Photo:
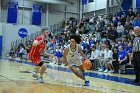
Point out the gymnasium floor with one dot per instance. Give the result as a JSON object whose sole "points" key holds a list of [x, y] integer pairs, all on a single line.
{"points": [[17, 78]]}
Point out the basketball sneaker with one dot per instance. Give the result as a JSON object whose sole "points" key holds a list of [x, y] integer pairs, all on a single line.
{"points": [[100, 70], [86, 83], [40, 80], [34, 75]]}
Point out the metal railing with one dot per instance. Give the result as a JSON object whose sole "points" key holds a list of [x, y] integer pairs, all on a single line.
{"points": [[56, 28]]}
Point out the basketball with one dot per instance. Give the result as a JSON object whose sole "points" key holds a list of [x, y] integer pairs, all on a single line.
{"points": [[87, 64]]}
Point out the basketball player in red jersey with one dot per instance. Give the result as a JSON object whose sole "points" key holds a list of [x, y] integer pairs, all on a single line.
{"points": [[38, 48]]}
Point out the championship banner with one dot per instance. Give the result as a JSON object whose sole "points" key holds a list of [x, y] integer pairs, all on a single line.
{"points": [[90, 1], [84, 2], [12, 11], [36, 14], [138, 5]]}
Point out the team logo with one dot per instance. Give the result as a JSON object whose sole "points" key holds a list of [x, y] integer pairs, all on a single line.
{"points": [[22, 32]]}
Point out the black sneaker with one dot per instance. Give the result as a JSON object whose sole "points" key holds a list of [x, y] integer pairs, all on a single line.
{"points": [[135, 81]]}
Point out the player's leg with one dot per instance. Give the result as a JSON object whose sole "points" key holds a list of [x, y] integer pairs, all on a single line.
{"points": [[42, 70], [35, 60], [82, 71], [80, 67], [37, 68], [79, 73], [76, 72]]}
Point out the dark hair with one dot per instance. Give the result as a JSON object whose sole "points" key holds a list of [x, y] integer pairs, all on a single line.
{"points": [[107, 46], [114, 41], [21, 45], [77, 38], [107, 42], [125, 40], [93, 46], [115, 48]]}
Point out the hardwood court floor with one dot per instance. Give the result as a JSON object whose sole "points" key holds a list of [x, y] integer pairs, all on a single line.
{"points": [[30, 87], [13, 81]]}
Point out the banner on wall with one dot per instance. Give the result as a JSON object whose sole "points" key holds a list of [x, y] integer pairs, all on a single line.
{"points": [[138, 5], [84, 2], [0, 46], [23, 32], [89, 1], [126, 4], [36, 14], [12, 11]]}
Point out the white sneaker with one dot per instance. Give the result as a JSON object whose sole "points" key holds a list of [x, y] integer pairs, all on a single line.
{"points": [[100, 70], [110, 71], [106, 71], [40, 80], [34, 75]]}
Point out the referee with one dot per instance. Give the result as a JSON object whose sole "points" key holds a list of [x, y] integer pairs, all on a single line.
{"points": [[136, 55]]}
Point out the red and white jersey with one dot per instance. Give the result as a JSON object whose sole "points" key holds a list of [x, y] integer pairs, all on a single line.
{"points": [[36, 50]]}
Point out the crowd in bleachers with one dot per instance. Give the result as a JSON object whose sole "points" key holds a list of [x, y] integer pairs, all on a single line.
{"points": [[107, 40], [21, 51]]}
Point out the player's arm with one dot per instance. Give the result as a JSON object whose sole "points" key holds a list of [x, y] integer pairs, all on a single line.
{"points": [[36, 42], [66, 50], [82, 54]]}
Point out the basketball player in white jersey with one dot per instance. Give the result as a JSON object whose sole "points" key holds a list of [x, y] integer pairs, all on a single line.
{"points": [[72, 58]]}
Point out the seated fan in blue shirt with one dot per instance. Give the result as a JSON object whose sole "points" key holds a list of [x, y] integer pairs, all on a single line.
{"points": [[59, 55], [122, 56], [129, 51]]}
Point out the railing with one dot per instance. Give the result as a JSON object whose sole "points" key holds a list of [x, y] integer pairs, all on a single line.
{"points": [[56, 28]]}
